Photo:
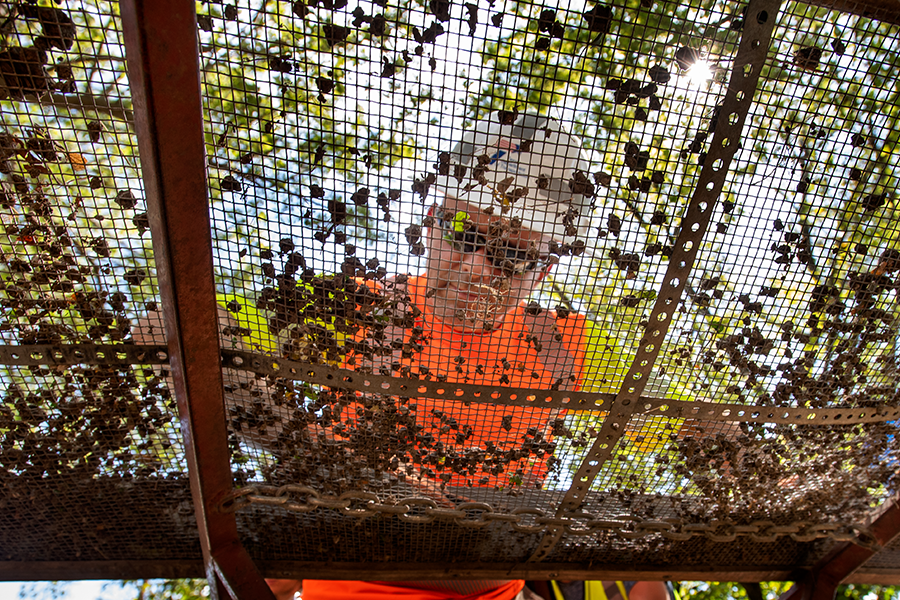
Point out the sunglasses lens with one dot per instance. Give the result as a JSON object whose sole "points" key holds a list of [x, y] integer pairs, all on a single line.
{"points": [[510, 259]]}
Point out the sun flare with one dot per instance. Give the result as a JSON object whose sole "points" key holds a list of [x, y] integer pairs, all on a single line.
{"points": [[699, 73]]}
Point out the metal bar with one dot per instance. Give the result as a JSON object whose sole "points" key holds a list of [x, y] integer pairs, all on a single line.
{"points": [[748, 63], [427, 571], [123, 354], [844, 560], [106, 569], [178, 569], [874, 576], [530, 397], [882, 10], [163, 68], [235, 570], [83, 354], [803, 590]]}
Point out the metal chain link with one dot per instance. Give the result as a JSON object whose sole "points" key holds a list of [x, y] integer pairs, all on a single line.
{"points": [[476, 515]]}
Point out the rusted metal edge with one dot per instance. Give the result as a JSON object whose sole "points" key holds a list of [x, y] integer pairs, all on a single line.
{"points": [[163, 68], [192, 569], [106, 569], [887, 11], [820, 582], [759, 23], [522, 570], [874, 576], [536, 398], [237, 572]]}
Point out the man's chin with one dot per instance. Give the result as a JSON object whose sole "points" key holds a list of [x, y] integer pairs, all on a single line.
{"points": [[470, 316], [475, 325]]}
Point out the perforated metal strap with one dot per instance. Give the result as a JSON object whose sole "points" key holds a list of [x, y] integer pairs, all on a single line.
{"points": [[401, 386], [758, 27], [83, 354], [556, 399], [125, 354]]}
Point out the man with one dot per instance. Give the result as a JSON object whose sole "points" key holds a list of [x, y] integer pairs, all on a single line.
{"points": [[513, 206], [514, 195]]}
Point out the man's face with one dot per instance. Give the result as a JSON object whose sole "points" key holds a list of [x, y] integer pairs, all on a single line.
{"points": [[479, 267]]}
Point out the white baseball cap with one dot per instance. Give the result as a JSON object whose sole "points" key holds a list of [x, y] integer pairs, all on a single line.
{"points": [[526, 165]]}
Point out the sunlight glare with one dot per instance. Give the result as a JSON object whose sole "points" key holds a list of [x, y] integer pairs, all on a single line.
{"points": [[699, 73]]}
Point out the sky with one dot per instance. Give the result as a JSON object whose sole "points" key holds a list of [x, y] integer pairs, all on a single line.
{"points": [[71, 590]]}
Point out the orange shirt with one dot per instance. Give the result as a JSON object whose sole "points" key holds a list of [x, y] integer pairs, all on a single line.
{"points": [[314, 589], [500, 358]]}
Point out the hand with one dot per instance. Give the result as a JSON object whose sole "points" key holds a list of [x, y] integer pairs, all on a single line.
{"points": [[284, 589], [649, 590]]}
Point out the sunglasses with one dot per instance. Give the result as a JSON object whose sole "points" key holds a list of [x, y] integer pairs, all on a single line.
{"points": [[509, 258]]}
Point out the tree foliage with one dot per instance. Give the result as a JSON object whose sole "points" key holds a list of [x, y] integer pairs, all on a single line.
{"points": [[167, 589], [710, 590]]}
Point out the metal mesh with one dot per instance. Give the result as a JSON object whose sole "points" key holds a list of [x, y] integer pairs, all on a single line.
{"points": [[318, 210], [92, 461], [885, 559], [441, 236]]}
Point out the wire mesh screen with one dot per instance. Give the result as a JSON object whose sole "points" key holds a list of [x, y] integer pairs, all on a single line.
{"points": [[580, 283], [93, 465], [449, 200]]}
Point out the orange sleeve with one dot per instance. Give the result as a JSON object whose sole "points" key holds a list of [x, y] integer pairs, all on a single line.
{"points": [[572, 330], [369, 283]]}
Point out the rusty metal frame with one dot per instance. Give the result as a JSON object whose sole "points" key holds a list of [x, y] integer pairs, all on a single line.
{"points": [[288, 569], [512, 570], [164, 69], [163, 66], [882, 10], [844, 560], [62, 570]]}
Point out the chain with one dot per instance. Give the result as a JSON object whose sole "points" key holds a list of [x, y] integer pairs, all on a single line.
{"points": [[477, 515]]}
